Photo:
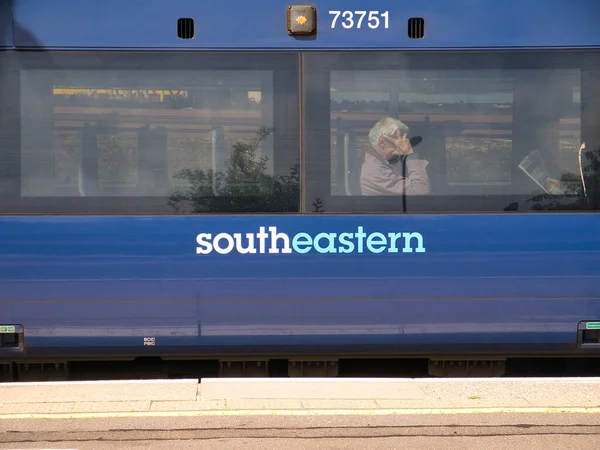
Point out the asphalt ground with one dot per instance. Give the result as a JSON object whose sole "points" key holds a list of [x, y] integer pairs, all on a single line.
{"points": [[497, 413], [431, 431]]}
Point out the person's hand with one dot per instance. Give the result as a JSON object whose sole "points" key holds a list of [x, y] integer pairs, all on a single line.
{"points": [[401, 145]]}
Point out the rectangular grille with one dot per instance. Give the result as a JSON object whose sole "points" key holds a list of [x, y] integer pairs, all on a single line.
{"points": [[185, 28], [416, 28]]}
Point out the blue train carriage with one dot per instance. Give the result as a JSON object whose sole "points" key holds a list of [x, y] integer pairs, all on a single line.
{"points": [[182, 180]]}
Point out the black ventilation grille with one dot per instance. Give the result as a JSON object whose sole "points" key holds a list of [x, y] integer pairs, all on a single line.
{"points": [[416, 28], [185, 28]]}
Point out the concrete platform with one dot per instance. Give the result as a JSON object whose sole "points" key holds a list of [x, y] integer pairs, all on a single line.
{"points": [[310, 388], [99, 391], [281, 396]]}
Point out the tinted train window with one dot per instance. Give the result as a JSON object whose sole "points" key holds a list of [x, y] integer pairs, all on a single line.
{"points": [[140, 133], [489, 132]]}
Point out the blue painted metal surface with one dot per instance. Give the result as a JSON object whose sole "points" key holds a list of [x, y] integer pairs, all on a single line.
{"points": [[107, 282], [6, 25], [483, 279], [261, 24]]}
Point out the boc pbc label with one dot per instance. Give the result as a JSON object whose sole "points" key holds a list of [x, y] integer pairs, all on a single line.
{"points": [[149, 341]]}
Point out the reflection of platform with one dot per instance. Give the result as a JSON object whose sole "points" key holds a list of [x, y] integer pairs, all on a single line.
{"points": [[309, 396]]}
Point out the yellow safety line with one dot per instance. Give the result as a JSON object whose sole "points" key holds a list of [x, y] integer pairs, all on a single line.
{"points": [[301, 412]]}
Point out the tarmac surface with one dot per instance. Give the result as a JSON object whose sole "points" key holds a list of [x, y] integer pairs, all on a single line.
{"points": [[489, 431], [333, 413]]}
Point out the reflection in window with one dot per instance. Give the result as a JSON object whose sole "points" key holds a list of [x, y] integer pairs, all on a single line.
{"points": [[122, 135], [476, 125], [482, 160], [147, 133]]}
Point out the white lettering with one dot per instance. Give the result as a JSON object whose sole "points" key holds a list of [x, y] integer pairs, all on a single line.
{"points": [[274, 237], [376, 242], [302, 239], [349, 22], [262, 236], [331, 240], [354, 19], [393, 238], [348, 245], [281, 242], [373, 20], [407, 237], [238, 243], [206, 246], [360, 235], [362, 15], [217, 246], [336, 14]]}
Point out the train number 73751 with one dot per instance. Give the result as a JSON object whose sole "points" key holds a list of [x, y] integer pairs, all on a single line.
{"points": [[355, 19]]}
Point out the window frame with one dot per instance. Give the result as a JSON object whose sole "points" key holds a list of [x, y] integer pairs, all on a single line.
{"points": [[285, 68], [317, 126]]}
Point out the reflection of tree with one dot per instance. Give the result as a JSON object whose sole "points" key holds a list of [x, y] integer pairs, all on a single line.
{"points": [[591, 173], [574, 198], [318, 205], [244, 187]]}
